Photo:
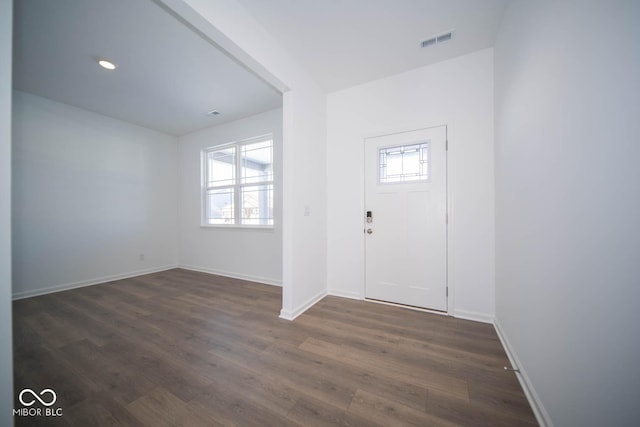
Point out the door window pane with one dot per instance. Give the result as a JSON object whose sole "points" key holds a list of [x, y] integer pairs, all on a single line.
{"points": [[404, 163]]}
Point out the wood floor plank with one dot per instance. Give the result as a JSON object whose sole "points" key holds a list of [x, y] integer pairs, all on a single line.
{"points": [[158, 407], [100, 410], [472, 413], [300, 378], [129, 307], [352, 377], [500, 399], [109, 374], [94, 330], [459, 357], [41, 421], [52, 332], [380, 411], [234, 408], [92, 414], [174, 376], [416, 375], [265, 389], [312, 412], [202, 415], [186, 348]]}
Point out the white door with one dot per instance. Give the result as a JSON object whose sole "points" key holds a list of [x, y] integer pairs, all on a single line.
{"points": [[406, 218]]}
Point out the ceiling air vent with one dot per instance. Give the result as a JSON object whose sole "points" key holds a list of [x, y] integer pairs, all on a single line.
{"points": [[429, 42], [437, 39]]}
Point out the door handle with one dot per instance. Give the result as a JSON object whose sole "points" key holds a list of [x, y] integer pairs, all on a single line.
{"points": [[369, 231]]}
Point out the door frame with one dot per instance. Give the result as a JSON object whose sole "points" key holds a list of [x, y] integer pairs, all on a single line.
{"points": [[449, 225]]}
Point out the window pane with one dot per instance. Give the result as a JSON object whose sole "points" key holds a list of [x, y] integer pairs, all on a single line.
{"points": [[257, 162], [256, 205], [220, 206], [405, 163], [221, 167]]}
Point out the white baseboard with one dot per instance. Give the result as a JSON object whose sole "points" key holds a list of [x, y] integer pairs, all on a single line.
{"points": [[534, 400], [258, 279], [90, 282], [406, 307], [292, 314], [473, 315], [345, 294]]}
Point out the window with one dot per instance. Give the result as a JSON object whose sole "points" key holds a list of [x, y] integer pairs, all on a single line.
{"points": [[404, 163], [238, 183]]}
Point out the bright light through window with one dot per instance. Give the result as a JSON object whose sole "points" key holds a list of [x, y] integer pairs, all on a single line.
{"points": [[238, 183], [405, 163]]}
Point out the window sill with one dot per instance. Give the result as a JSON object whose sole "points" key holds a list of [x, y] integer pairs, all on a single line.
{"points": [[267, 228]]}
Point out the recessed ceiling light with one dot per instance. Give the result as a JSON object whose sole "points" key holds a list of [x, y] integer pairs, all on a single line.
{"points": [[213, 113], [106, 64]]}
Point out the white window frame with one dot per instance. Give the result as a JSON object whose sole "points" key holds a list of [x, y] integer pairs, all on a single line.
{"points": [[237, 185]]}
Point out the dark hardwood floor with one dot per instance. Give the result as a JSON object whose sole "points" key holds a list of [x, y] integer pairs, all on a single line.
{"points": [[186, 348]]}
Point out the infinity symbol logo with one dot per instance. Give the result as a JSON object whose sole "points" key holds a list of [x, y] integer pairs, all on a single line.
{"points": [[37, 397]]}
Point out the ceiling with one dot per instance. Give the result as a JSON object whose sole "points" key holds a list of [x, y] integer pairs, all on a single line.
{"points": [[343, 43], [167, 79]]}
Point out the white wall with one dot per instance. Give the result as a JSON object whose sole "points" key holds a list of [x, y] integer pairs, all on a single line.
{"points": [[304, 138], [6, 344], [458, 93], [229, 25], [90, 194], [244, 253], [568, 204]]}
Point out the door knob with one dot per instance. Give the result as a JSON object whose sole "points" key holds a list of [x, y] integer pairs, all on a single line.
{"points": [[369, 231]]}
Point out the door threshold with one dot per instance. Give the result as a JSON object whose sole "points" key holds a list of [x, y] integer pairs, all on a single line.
{"points": [[410, 307]]}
